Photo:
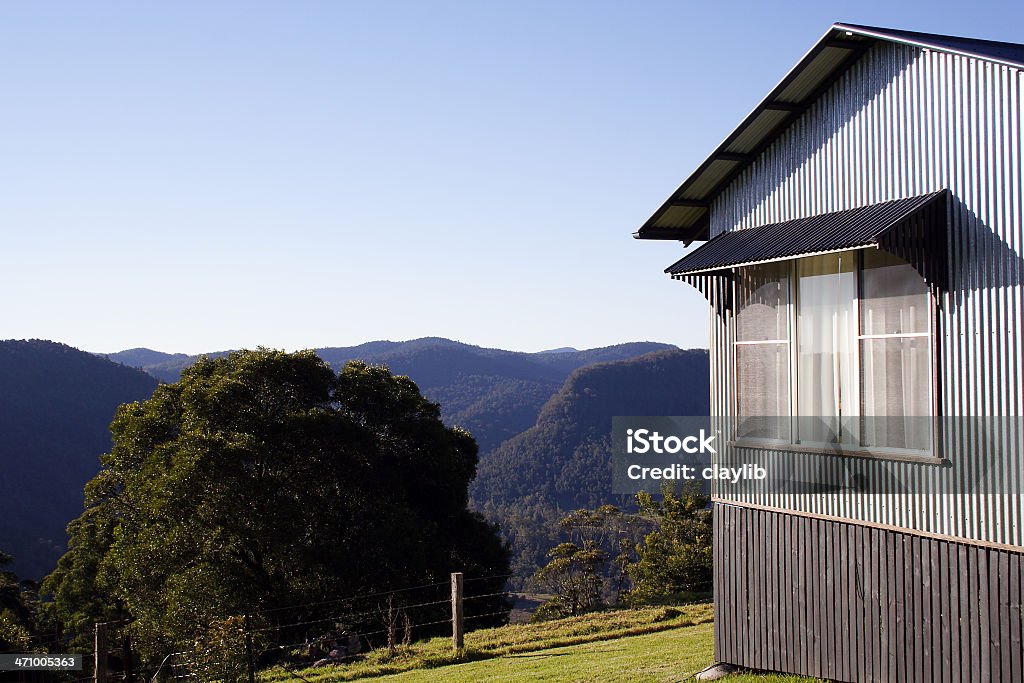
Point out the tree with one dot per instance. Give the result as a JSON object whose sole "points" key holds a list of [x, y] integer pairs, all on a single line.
{"points": [[574, 576], [675, 560], [587, 570], [15, 612], [262, 480]]}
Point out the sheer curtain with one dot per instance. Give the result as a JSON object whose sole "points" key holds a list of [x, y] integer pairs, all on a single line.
{"points": [[826, 347], [762, 351], [895, 354]]}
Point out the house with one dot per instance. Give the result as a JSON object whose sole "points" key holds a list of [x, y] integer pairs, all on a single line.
{"points": [[862, 258]]}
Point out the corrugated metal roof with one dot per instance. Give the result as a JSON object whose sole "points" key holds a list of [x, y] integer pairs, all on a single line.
{"points": [[841, 45], [828, 232]]}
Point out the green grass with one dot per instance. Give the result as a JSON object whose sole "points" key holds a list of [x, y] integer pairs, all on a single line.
{"points": [[671, 655], [648, 644]]}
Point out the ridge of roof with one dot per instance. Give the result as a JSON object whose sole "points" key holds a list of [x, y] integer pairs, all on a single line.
{"points": [[1011, 54], [684, 216]]}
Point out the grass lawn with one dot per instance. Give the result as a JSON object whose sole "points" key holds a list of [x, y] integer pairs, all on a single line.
{"points": [[666, 656], [650, 644], [674, 655]]}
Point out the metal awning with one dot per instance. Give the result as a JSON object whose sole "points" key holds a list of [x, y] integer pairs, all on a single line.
{"points": [[912, 228]]}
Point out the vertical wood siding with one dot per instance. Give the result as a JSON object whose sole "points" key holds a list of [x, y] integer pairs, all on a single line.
{"points": [[905, 121], [852, 603]]}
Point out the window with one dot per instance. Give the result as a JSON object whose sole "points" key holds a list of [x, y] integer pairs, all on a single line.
{"points": [[835, 350], [895, 354], [763, 350]]}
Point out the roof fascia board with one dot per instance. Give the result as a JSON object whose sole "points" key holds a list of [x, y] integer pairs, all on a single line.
{"points": [[774, 259]]}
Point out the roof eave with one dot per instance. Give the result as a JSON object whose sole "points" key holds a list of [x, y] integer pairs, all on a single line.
{"points": [[684, 235], [650, 231]]}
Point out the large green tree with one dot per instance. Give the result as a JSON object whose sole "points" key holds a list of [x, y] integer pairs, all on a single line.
{"points": [[263, 480]]}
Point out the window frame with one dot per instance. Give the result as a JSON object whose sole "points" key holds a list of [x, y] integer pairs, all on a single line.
{"points": [[933, 455]]}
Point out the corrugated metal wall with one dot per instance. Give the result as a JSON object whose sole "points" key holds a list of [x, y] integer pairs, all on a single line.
{"points": [[905, 121]]}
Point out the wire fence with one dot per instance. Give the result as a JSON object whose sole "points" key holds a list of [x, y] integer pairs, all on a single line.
{"points": [[330, 632]]}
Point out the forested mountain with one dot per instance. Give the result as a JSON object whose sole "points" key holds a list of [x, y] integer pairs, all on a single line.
{"points": [[56, 404], [565, 458], [493, 393], [563, 462]]}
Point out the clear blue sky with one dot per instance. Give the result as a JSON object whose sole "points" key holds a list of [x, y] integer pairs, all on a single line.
{"points": [[193, 176]]}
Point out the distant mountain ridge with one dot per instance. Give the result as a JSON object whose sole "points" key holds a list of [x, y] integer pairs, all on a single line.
{"points": [[168, 366], [493, 393], [142, 358]]}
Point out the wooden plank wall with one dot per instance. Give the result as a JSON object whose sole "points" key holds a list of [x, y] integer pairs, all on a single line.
{"points": [[849, 602]]}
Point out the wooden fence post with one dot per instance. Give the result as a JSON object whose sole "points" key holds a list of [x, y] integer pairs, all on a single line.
{"points": [[457, 640], [100, 653]]}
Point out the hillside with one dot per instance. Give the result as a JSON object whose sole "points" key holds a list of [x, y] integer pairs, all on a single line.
{"points": [[493, 393], [565, 458], [563, 462], [56, 403]]}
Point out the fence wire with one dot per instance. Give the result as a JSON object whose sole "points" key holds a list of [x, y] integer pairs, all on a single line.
{"points": [[389, 618]]}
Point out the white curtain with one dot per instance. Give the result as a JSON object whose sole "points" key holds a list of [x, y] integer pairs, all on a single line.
{"points": [[827, 333], [895, 354]]}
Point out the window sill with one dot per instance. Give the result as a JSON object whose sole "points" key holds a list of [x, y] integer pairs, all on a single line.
{"points": [[846, 451]]}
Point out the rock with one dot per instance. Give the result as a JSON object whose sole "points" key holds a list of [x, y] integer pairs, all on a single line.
{"points": [[716, 671]]}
